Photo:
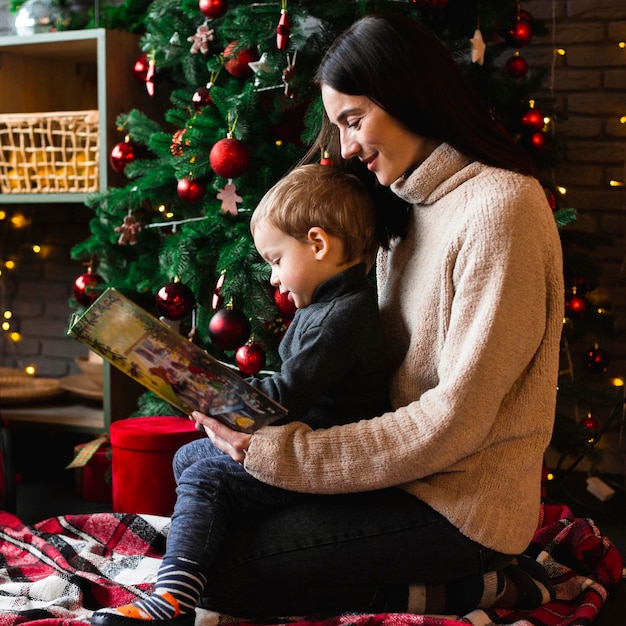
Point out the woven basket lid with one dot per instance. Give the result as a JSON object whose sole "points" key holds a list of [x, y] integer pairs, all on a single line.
{"points": [[22, 389]]}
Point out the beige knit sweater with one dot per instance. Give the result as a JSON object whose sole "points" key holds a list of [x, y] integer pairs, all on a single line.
{"points": [[472, 302]]}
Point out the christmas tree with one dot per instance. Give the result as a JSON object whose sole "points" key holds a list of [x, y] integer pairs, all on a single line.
{"points": [[241, 110]]}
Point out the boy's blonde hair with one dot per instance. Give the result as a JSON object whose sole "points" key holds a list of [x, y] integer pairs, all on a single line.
{"points": [[324, 196]]}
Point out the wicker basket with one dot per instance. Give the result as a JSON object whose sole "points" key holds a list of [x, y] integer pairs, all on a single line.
{"points": [[54, 152]]}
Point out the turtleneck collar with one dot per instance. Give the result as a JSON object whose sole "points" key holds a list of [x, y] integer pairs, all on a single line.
{"points": [[431, 180]]}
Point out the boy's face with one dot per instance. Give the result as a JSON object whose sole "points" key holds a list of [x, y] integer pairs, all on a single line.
{"points": [[297, 268]]}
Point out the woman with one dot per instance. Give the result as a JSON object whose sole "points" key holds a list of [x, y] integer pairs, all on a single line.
{"points": [[427, 508], [435, 499]]}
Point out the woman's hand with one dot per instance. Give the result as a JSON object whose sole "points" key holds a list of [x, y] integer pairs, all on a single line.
{"points": [[233, 443]]}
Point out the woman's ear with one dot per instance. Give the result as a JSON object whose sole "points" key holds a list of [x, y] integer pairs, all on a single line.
{"points": [[320, 241]]}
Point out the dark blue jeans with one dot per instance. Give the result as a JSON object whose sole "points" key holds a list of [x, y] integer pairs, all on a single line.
{"points": [[270, 552]]}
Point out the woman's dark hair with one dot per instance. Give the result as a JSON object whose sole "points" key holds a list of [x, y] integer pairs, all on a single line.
{"points": [[404, 69]]}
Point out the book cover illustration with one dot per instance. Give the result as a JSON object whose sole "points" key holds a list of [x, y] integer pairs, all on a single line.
{"points": [[177, 370]]}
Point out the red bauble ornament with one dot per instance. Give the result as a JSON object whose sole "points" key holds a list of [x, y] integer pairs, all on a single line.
{"points": [[250, 358], [87, 288], [596, 360], [175, 300], [229, 329], [590, 423], [517, 66], [201, 98], [122, 154], [521, 33], [140, 69], [213, 8], [190, 190], [537, 141], [575, 306], [533, 119], [326, 160], [236, 62], [229, 157], [551, 198], [285, 306]]}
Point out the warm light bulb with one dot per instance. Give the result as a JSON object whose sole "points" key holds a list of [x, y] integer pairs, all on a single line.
{"points": [[560, 52], [6, 326], [161, 208], [622, 120], [7, 315], [616, 183], [19, 221], [10, 265], [561, 190], [36, 248], [617, 382], [3, 215], [30, 369], [622, 44], [15, 336]]}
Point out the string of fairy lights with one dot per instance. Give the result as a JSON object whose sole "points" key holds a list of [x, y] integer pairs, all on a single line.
{"points": [[11, 223]]}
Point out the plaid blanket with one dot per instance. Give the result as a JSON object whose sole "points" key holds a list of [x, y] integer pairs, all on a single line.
{"points": [[58, 571]]}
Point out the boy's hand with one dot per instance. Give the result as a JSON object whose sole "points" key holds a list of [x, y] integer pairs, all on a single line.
{"points": [[229, 441]]}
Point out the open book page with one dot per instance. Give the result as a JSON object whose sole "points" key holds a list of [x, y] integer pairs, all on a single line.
{"points": [[165, 362]]}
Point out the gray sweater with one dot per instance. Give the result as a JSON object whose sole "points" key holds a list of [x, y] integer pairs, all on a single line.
{"points": [[472, 305], [332, 363]]}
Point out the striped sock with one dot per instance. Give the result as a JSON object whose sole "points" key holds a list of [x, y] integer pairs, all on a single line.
{"points": [[176, 592], [455, 597], [526, 586], [522, 585]]}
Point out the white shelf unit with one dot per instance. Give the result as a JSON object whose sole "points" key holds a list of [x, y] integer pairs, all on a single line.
{"points": [[72, 71]]}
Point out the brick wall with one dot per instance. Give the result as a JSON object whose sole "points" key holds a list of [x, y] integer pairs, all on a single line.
{"points": [[589, 87], [37, 291]]}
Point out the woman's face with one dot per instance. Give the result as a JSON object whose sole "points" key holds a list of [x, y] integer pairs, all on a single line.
{"points": [[376, 138]]}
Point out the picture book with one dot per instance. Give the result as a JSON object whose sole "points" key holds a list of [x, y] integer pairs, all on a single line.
{"points": [[162, 360]]}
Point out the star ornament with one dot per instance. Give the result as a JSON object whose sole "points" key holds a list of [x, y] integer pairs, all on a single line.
{"points": [[262, 65], [262, 69], [478, 47]]}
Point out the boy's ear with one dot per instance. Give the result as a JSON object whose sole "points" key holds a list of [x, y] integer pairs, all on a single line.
{"points": [[319, 240]]}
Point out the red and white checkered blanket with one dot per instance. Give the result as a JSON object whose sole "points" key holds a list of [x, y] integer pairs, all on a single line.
{"points": [[58, 571]]}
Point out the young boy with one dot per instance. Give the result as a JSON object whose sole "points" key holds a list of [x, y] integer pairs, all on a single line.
{"points": [[317, 229]]}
